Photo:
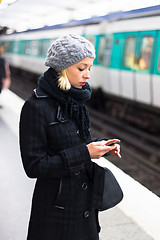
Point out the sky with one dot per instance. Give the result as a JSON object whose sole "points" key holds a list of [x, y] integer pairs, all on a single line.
{"points": [[28, 14]]}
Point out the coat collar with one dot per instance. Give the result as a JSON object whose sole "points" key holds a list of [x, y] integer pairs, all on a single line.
{"points": [[39, 93]]}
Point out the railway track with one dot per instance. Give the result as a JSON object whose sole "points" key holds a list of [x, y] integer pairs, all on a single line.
{"points": [[140, 151], [21, 89]]}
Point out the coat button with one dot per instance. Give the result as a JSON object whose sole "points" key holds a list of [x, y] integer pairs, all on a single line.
{"points": [[77, 132], [77, 173], [86, 214], [84, 186]]}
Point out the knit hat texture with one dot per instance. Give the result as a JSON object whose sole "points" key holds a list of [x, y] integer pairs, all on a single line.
{"points": [[68, 50]]}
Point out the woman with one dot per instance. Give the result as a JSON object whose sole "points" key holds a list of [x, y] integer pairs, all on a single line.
{"points": [[56, 146], [5, 79]]}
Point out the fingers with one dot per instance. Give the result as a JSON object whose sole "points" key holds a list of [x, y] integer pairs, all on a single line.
{"points": [[116, 150], [98, 149], [111, 141], [105, 146], [117, 153]]}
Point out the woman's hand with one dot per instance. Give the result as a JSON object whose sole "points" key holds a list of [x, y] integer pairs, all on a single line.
{"points": [[98, 149]]}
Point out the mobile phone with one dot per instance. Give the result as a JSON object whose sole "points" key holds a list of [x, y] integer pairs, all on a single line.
{"points": [[113, 143]]}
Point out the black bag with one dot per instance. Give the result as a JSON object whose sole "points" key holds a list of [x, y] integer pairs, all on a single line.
{"points": [[112, 192]]}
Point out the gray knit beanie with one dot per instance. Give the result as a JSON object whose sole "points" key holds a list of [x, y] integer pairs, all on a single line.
{"points": [[67, 50]]}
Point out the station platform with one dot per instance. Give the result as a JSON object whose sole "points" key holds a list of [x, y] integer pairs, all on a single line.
{"points": [[137, 217]]}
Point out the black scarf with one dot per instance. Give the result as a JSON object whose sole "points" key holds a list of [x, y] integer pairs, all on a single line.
{"points": [[72, 100]]}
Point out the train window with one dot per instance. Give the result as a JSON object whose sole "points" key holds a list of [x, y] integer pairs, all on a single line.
{"points": [[129, 52], [43, 48], [7, 46], [15, 49], [145, 54], [104, 51], [34, 47], [91, 39], [159, 62], [117, 41], [26, 49]]}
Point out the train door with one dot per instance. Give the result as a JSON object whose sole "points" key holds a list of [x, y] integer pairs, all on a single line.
{"points": [[115, 66], [144, 66], [128, 65], [156, 75]]}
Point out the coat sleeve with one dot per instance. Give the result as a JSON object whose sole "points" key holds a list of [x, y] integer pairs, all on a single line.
{"points": [[33, 146]]}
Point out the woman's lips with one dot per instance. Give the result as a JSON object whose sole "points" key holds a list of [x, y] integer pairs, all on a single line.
{"points": [[82, 83]]}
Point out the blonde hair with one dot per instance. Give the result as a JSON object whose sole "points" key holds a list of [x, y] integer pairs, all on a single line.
{"points": [[63, 81]]}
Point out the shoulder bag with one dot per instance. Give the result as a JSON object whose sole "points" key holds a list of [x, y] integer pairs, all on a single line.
{"points": [[112, 192]]}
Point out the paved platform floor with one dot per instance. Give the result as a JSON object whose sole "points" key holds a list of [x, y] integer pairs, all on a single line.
{"points": [[16, 191], [117, 226]]}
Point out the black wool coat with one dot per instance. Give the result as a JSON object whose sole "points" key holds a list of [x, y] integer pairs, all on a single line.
{"points": [[66, 195]]}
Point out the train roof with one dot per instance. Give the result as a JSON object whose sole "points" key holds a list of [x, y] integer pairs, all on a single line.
{"points": [[115, 16]]}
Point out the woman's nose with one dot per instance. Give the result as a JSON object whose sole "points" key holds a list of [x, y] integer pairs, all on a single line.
{"points": [[87, 75]]}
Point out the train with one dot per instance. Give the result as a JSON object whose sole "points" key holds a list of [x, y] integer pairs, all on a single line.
{"points": [[125, 76]]}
